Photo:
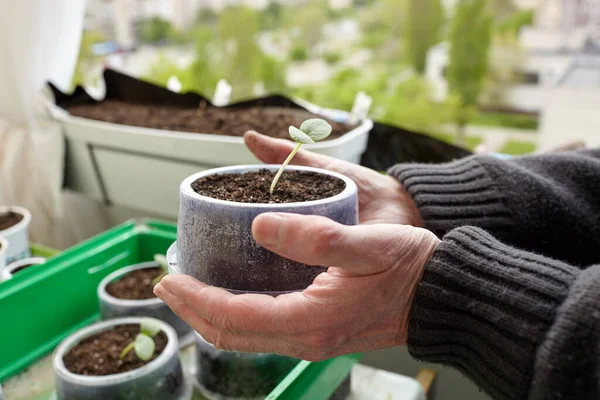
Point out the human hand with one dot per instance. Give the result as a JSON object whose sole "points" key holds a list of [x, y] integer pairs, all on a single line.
{"points": [[361, 303], [381, 198]]}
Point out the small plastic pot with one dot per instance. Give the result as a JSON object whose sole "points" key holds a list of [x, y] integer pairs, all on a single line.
{"points": [[9, 271], [161, 379], [17, 235], [224, 375], [113, 307], [215, 243], [3, 250]]}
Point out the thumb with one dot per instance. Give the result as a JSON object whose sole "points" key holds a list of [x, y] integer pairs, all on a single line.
{"points": [[319, 241]]}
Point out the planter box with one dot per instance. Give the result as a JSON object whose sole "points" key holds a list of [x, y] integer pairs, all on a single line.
{"points": [[141, 168]]}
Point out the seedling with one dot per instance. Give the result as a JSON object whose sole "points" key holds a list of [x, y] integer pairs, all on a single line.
{"points": [[311, 131], [143, 345], [161, 260]]}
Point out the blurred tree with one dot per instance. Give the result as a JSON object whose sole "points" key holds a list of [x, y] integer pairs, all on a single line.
{"points": [[382, 25], [411, 107], [298, 52], [272, 16], [470, 37], [507, 60], [207, 16], [155, 29], [310, 20], [512, 25], [332, 57], [201, 75], [502, 9], [424, 20], [242, 57], [86, 58], [273, 75]]}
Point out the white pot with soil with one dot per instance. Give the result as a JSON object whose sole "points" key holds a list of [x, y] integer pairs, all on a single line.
{"points": [[14, 225], [214, 231], [19, 266], [128, 292], [88, 365], [166, 145]]}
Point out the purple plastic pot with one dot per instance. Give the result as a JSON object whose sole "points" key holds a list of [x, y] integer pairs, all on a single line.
{"points": [[215, 243]]}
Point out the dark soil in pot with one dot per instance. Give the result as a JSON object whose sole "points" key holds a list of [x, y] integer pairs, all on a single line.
{"points": [[240, 375], [99, 354], [136, 285], [213, 120], [9, 219], [253, 187]]}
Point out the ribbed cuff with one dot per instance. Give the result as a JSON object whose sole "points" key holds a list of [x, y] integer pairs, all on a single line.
{"points": [[454, 194], [484, 308]]}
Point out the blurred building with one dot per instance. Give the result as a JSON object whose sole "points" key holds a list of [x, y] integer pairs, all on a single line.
{"points": [[570, 111], [549, 47]]}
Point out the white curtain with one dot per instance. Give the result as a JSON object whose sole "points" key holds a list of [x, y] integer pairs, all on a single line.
{"points": [[39, 42]]}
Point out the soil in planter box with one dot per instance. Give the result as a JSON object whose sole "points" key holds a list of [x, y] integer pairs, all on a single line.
{"points": [[9, 219], [253, 187], [99, 354], [136, 285], [229, 122]]}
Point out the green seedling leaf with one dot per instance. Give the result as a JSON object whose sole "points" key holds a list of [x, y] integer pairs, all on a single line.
{"points": [[162, 262], [300, 136], [150, 327], [311, 131], [144, 347], [315, 128]]}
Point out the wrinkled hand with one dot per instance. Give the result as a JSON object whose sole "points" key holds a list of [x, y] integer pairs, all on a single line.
{"points": [[382, 200], [361, 303]]}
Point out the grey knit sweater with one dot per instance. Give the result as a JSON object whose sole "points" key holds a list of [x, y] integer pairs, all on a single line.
{"points": [[511, 297]]}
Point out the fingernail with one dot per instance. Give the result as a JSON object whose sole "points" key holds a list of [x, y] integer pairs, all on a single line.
{"points": [[158, 289]]}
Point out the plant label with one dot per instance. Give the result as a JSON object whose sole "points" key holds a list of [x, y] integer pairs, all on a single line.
{"points": [[222, 93], [174, 84], [361, 107]]}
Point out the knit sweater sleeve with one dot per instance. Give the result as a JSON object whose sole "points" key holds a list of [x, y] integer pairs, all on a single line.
{"points": [[549, 204], [518, 324]]}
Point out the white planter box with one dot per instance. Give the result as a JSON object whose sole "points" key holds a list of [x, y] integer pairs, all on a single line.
{"points": [[141, 168]]}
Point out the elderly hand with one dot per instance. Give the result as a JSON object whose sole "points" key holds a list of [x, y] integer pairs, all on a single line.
{"points": [[361, 303], [382, 200]]}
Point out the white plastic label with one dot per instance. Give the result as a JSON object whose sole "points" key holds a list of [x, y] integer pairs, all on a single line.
{"points": [[174, 84], [222, 93], [361, 107]]}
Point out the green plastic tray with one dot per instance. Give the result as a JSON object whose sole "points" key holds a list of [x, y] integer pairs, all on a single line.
{"points": [[42, 305]]}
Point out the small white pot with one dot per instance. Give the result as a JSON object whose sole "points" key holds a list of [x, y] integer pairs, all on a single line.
{"points": [[7, 272], [3, 250], [17, 235], [161, 379], [113, 307]]}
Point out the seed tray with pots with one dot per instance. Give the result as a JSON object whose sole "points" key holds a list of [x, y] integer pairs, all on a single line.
{"points": [[63, 298]]}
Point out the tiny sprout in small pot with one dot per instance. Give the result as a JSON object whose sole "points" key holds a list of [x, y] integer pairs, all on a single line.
{"points": [[217, 207], [311, 131], [122, 358], [129, 292], [143, 345]]}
